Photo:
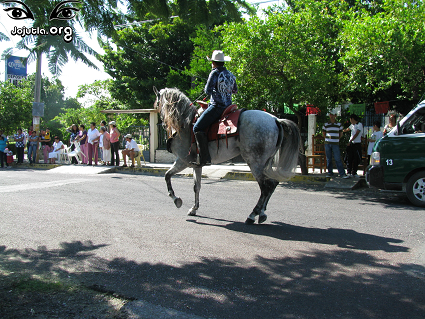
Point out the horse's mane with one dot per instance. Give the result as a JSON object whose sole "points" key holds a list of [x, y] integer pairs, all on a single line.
{"points": [[177, 111]]}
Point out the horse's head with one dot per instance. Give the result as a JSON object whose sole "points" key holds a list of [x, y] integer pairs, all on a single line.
{"points": [[176, 109]]}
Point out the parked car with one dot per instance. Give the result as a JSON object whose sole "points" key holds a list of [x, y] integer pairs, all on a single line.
{"points": [[398, 159]]}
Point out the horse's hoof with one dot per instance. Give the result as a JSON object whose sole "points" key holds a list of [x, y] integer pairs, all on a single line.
{"points": [[191, 212], [262, 219], [249, 221], [178, 202]]}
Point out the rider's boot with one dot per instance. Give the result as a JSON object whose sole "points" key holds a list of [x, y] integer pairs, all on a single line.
{"points": [[203, 158]]}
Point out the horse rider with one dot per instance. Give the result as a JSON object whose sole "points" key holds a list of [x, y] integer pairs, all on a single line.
{"points": [[220, 86]]}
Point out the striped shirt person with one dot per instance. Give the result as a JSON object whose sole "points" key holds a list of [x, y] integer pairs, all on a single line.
{"points": [[332, 132]]}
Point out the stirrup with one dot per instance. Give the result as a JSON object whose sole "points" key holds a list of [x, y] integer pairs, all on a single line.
{"points": [[198, 162]]}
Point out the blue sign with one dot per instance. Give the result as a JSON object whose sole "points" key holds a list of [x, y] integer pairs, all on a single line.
{"points": [[15, 67]]}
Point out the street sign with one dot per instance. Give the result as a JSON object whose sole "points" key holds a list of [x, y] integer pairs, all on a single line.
{"points": [[38, 109]]}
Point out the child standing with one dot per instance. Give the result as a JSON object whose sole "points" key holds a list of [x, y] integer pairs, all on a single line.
{"points": [[376, 135]]}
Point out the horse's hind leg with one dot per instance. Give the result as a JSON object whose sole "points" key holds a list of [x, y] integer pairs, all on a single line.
{"points": [[176, 168], [197, 174], [267, 187]]}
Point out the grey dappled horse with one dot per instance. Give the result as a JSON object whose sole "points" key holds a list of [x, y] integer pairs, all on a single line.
{"points": [[270, 146]]}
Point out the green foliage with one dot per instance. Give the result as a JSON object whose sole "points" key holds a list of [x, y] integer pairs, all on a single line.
{"points": [[287, 58], [53, 97], [205, 41], [386, 48], [160, 52], [15, 106], [321, 53], [153, 54], [97, 99]]}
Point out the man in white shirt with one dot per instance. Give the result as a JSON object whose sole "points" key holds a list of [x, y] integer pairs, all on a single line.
{"points": [[354, 146], [131, 150], [93, 137]]}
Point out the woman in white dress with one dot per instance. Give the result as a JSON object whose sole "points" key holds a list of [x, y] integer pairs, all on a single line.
{"points": [[57, 148]]}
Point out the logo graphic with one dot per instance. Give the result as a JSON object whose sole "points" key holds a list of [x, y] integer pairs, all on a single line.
{"points": [[16, 69], [58, 13]]}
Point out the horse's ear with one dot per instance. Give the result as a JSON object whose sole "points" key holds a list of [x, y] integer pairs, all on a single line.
{"points": [[155, 91]]}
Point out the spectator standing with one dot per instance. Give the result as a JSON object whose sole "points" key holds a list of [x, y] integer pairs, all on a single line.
{"points": [[102, 124], [33, 143], [20, 146], [3, 157], [115, 144], [28, 142], [131, 150], [45, 144], [106, 145], [376, 135], [393, 123], [354, 146], [73, 130], [332, 132], [93, 136], [82, 139]]}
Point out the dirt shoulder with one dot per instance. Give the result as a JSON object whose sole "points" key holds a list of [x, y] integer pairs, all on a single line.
{"points": [[30, 296]]}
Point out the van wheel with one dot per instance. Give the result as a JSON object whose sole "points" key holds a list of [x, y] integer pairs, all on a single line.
{"points": [[415, 189]]}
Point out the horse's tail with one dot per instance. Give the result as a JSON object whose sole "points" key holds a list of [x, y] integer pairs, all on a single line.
{"points": [[281, 166]]}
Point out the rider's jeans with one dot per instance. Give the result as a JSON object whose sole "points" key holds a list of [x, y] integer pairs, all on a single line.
{"points": [[209, 116]]}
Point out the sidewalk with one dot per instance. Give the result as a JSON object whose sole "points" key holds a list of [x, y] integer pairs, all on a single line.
{"points": [[227, 171]]}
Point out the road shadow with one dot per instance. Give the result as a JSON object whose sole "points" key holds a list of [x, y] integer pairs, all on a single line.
{"points": [[343, 238], [32, 285], [314, 284]]}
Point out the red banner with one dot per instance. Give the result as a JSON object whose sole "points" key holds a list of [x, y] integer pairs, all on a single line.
{"points": [[382, 107]]}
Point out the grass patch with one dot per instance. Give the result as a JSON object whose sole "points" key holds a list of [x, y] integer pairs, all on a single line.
{"points": [[37, 285]]}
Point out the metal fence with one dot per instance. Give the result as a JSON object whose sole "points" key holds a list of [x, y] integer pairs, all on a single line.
{"points": [[162, 137], [369, 117], [140, 135]]}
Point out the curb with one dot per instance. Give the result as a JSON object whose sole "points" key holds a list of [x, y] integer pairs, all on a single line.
{"points": [[35, 166], [228, 175], [139, 170]]}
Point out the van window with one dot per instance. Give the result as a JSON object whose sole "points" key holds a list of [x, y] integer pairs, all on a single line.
{"points": [[416, 123]]}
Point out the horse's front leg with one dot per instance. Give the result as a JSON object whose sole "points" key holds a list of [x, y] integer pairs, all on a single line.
{"points": [[197, 174], [177, 167]]}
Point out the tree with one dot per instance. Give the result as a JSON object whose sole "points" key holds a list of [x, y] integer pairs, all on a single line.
{"points": [[97, 99], [386, 49], [157, 51], [15, 106], [290, 57], [56, 36], [153, 54]]}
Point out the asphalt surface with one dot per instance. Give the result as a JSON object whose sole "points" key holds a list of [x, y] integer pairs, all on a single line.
{"points": [[323, 252]]}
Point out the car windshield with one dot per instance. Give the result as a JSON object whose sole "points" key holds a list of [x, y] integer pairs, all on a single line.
{"points": [[415, 123]]}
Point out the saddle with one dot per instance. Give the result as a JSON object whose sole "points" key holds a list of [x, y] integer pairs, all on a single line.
{"points": [[227, 125]]}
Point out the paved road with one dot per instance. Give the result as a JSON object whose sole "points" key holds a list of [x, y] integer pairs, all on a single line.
{"points": [[321, 253]]}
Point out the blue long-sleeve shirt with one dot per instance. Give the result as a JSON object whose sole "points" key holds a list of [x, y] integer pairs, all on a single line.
{"points": [[220, 86], [3, 144]]}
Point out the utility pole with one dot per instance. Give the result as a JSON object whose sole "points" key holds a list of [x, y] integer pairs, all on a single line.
{"points": [[37, 94]]}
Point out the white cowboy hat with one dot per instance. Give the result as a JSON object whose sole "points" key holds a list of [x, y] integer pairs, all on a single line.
{"points": [[128, 136], [112, 123], [218, 56]]}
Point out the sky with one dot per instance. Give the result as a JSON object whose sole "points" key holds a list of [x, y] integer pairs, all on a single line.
{"points": [[73, 73]]}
